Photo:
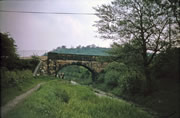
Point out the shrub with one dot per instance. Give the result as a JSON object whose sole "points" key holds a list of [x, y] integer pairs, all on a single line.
{"points": [[132, 83], [166, 64], [111, 79], [85, 74], [8, 78], [116, 66], [14, 78], [122, 80], [113, 73], [100, 78], [62, 95], [4, 77]]}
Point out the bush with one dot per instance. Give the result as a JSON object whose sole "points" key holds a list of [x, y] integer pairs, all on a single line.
{"points": [[24, 64], [113, 73], [133, 83], [62, 95], [166, 64], [85, 74], [8, 78], [14, 78], [100, 78], [122, 80], [111, 79]]}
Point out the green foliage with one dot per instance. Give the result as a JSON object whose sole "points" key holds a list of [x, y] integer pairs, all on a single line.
{"points": [[146, 22], [8, 51], [121, 80], [77, 73], [24, 64], [111, 79], [133, 83], [114, 72], [8, 47], [127, 53], [9, 57], [14, 78], [82, 103], [35, 57], [146, 27], [88, 50], [62, 94], [166, 64], [172, 7], [100, 78], [10, 92]]}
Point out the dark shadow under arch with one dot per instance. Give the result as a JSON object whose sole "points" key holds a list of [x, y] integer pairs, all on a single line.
{"points": [[94, 74]]}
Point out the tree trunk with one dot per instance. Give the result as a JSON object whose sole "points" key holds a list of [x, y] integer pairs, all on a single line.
{"points": [[148, 90]]}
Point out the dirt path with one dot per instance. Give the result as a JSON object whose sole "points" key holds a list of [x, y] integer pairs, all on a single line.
{"points": [[102, 93], [18, 99], [96, 91]]}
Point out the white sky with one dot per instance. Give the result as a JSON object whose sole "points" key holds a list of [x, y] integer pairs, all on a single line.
{"points": [[48, 31]]}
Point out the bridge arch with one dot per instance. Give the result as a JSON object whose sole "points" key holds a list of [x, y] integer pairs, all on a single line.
{"points": [[55, 62], [93, 72]]}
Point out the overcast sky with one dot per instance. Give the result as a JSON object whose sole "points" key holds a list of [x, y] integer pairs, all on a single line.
{"points": [[48, 31]]}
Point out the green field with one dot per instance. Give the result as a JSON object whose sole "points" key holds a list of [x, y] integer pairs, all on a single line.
{"points": [[60, 99]]}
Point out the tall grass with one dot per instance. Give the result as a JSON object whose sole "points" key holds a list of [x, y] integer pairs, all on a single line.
{"points": [[14, 83], [59, 99]]}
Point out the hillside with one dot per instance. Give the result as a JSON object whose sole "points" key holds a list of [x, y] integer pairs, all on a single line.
{"points": [[88, 50]]}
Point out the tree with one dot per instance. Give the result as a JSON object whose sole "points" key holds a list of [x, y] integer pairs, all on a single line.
{"points": [[140, 22], [8, 46], [172, 8], [126, 53], [78, 47], [8, 50], [63, 47]]}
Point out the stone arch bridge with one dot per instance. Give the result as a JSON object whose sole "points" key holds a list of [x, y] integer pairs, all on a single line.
{"points": [[55, 62]]}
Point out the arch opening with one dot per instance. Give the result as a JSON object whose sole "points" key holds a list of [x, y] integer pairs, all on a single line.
{"points": [[77, 72]]}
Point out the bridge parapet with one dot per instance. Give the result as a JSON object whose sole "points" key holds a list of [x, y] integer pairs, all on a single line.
{"points": [[56, 56]]}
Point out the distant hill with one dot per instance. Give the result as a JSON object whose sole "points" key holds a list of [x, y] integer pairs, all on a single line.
{"points": [[88, 50]]}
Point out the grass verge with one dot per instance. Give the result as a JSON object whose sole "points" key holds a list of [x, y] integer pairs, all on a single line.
{"points": [[10, 93], [59, 99]]}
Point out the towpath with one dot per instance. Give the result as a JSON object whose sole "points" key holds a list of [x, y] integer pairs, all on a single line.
{"points": [[18, 99]]}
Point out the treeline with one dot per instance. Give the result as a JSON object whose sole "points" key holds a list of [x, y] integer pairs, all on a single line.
{"points": [[148, 28], [124, 76], [14, 70], [84, 50]]}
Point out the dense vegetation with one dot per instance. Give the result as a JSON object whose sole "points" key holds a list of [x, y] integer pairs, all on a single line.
{"points": [[148, 27], [16, 73], [125, 79], [10, 92], [77, 73], [145, 56], [9, 57], [60, 99], [143, 65]]}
